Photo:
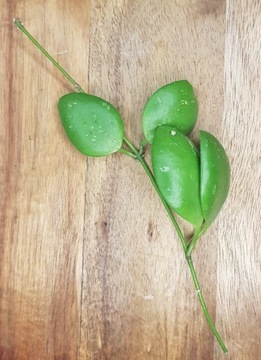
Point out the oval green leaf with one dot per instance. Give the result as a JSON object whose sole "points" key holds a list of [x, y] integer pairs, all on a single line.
{"points": [[92, 124], [174, 104], [175, 163], [215, 177]]}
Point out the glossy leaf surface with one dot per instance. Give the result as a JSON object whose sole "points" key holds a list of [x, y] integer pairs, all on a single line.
{"points": [[93, 125], [174, 104], [175, 163], [215, 176]]}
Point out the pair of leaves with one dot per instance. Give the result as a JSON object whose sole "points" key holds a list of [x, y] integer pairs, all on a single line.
{"points": [[95, 127], [194, 184]]}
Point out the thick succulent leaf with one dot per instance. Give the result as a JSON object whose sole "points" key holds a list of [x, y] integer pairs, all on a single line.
{"points": [[174, 104], [175, 163], [93, 125], [215, 176]]}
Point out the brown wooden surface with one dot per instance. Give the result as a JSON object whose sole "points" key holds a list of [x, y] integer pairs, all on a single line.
{"points": [[90, 266]]}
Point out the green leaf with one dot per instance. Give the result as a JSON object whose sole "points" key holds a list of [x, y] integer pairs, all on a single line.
{"points": [[92, 124], [215, 177], [174, 104], [175, 163]]}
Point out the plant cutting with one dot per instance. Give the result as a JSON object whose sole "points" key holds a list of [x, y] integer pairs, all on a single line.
{"points": [[190, 182]]}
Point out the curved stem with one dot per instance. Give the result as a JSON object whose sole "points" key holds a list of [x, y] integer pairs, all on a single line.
{"points": [[192, 243], [21, 27]]}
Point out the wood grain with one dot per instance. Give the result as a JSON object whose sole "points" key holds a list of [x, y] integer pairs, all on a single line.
{"points": [[90, 266]]}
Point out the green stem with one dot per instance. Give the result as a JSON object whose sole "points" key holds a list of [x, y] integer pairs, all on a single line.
{"points": [[192, 243], [138, 155], [143, 142], [126, 152], [203, 304], [20, 26]]}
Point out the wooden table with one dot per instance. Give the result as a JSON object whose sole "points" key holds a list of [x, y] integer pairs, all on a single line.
{"points": [[91, 267]]}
